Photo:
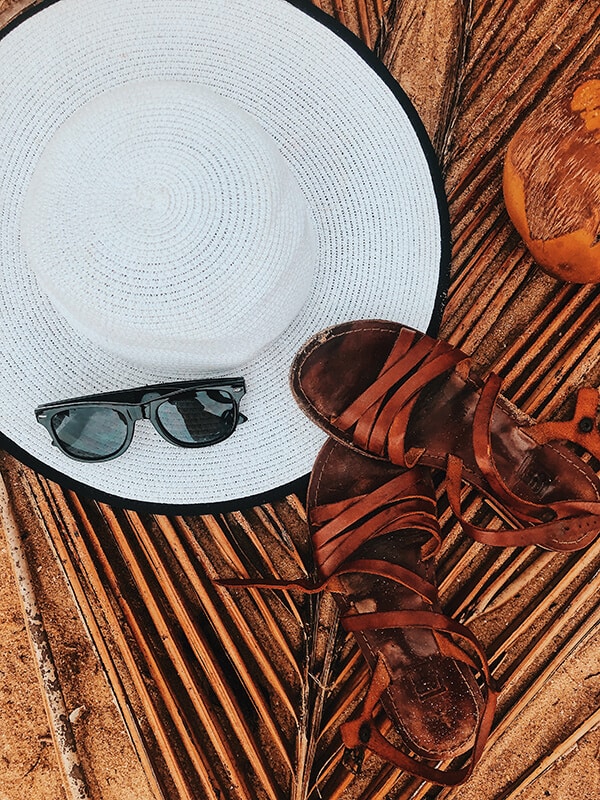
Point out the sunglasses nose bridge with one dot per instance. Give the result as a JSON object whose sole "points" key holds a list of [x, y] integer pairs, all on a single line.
{"points": [[143, 410], [137, 412]]}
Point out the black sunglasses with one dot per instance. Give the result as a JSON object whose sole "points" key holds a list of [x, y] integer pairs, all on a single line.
{"points": [[188, 414]]}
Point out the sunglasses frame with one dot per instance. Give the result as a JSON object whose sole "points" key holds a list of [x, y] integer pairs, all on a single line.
{"points": [[142, 403]]}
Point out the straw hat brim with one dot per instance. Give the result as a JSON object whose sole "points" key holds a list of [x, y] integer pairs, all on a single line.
{"points": [[361, 158]]}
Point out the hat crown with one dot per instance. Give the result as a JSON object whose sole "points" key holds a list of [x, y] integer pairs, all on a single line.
{"points": [[163, 223]]}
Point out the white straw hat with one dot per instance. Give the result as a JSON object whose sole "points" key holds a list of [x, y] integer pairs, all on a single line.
{"points": [[191, 189]]}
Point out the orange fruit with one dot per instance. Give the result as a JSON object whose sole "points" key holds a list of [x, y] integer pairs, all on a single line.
{"points": [[551, 183]]}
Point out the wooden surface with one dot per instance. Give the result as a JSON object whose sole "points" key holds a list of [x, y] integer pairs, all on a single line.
{"points": [[239, 694]]}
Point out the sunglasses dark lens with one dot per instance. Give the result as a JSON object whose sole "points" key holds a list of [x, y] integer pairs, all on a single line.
{"points": [[198, 417], [90, 432]]}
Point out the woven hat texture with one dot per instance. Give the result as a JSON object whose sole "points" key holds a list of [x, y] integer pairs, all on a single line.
{"points": [[164, 224], [192, 189]]}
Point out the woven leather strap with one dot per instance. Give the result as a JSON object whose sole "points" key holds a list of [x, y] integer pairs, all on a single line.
{"points": [[565, 535], [379, 416], [346, 525]]}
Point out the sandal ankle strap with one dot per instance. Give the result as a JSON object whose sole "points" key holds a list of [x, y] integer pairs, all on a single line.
{"points": [[564, 534]]}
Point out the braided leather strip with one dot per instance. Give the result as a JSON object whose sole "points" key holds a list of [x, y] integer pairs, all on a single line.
{"points": [[345, 525], [360, 733]]}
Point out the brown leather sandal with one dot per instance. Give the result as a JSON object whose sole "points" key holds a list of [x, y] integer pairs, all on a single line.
{"points": [[374, 531], [400, 395]]}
